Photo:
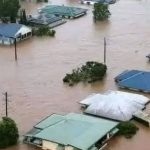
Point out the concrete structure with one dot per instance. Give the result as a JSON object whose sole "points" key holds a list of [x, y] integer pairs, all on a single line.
{"points": [[10, 31], [70, 132], [134, 80], [115, 105], [142, 117]]}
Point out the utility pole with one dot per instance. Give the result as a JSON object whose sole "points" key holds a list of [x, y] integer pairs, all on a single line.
{"points": [[104, 50], [6, 103]]}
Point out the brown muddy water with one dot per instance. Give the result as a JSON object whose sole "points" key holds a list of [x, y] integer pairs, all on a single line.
{"points": [[34, 82]]}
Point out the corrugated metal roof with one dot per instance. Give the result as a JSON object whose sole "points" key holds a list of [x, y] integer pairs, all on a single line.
{"points": [[125, 74], [77, 130], [44, 19], [53, 119], [135, 79], [10, 29], [63, 10]]}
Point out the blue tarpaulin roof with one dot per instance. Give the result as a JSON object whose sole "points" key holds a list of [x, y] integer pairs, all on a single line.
{"points": [[9, 30], [134, 79]]}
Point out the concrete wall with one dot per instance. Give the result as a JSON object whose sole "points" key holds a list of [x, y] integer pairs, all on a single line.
{"points": [[49, 145]]}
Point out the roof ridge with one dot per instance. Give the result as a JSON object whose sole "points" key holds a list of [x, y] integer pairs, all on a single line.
{"points": [[136, 74]]}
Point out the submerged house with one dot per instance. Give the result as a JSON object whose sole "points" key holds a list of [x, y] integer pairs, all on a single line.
{"points": [[71, 132], [63, 11], [115, 105], [92, 2], [11, 31], [45, 19], [134, 80]]}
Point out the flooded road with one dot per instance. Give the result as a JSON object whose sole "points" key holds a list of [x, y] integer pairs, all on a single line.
{"points": [[34, 83]]}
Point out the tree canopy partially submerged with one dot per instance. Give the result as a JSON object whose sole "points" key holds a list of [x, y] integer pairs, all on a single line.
{"points": [[43, 31], [8, 132], [101, 11], [128, 129], [90, 72]]}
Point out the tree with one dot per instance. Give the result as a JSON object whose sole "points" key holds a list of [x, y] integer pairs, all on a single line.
{"points": [[90, 72], [9, 10], [128, 129], [43, 31], [101, 11], [23, 17], [8, 132]]}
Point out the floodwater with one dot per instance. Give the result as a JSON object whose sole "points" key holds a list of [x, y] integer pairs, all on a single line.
{"points": [[34, 83]]}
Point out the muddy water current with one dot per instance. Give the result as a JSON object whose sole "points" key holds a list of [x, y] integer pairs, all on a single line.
{"points": [[34, 83]]}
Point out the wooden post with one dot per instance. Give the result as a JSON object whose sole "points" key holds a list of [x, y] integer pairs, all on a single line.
{"points": [[104, 50]]}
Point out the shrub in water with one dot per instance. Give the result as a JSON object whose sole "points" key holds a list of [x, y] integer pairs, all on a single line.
{"points": [[8, 132], [128, 129], [90, 72]]}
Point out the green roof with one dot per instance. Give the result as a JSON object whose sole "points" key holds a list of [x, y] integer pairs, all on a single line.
{"points": [[63, 10], [53, 119], [77, 130]]}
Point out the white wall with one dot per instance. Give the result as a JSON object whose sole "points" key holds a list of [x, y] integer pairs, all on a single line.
{"points": [[69, 148], [24, 30], [49, 145]]}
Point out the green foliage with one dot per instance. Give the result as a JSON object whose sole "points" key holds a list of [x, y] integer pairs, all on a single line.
{"points": [[90, 72], [9, 10], [23, 17], [43, 31], [101, 11], [128, 129], [8, 132]]}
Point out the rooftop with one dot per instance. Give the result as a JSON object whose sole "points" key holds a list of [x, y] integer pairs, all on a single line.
{"points": [[115, 105], [63, 10], [77, 130], [10, 29], [134, 79], [44, 19]]}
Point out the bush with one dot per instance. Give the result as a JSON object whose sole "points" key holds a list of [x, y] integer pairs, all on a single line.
{"points": [[90, 72], [43, 31], [101, 11], [8, 132], [128, 129]]}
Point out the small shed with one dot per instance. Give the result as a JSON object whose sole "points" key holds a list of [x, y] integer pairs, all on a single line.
{"points": [[134, 80], [10, 31], [71, 132], [115, 105]]}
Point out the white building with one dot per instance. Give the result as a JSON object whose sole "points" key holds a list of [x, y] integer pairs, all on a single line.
{"points": [[11, 31]]}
